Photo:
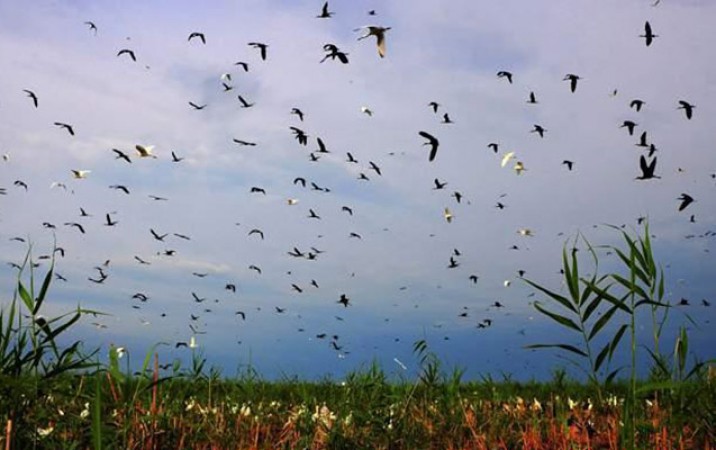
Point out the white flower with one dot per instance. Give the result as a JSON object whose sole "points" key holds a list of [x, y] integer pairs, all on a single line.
{"points": [[85, 412], [45, 431]]}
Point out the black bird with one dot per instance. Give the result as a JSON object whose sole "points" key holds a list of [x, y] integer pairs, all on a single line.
{"points": [[312, 214], [66, 127], [532, 99], [20, 183], [257, 231], [453, 263], [244, 103], [432, 142], [175, 158], [647, 170], [438, 184], [197, 299], [296, 288], [279, 310], [364, 177], [494, 146], [227, 88], [158, 237], [637, 104], [92, 27], [109, 222], [256, 268], [447, 119], [230, 287], [121, 155], [351, 159], [32, 96], [120, 187], [244, 65], [141, 261], [498, 305], [642, 140], [333, 52], [629, 126], [300, 135], [245, 143], [686, 200], [298, 113], [539, 130], [434, 106], [568, 163], [262, 47], [321, 146], [127, 52], [84, 213], [572, 78], [76, 225], [473, 278], [355, 235], [157, 198], [325, 14], [648, 34], [300, 180], [182, 236], [684, 302], [458, 196], [199, 35], [242, 314], [347, 209], [345, 301], [197, 107], [375, 167], [505, 74], [258, 190], [687, 107], [48, 225], [705, 302]]}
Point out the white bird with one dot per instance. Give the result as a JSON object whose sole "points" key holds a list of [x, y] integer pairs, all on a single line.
{"points": [[379, 33], [525, 232], [519, 167], [506, 159], [145, 151], [448, 215], [79, 174], [292, 201]]}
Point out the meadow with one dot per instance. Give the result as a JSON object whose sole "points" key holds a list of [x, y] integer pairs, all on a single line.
{"points": [[56, 395]]}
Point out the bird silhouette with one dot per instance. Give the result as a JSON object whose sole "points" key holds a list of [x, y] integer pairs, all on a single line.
{"points": [[332, 52], [539, 130], [325, 14], [66, 127], [244, 103], [379, 33], [261, 47], [572, 78], [629, 125], [197, 107], [130, 53], [121, 155], [648, 34], [686, 200], [32, 96], [433, 142], [532, 99], [506, 75], [637, 104], [196, 34], [687, 107], [298, 113]]}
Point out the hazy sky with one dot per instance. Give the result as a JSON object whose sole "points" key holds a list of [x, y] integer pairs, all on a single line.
{"points": [[397, 274]]}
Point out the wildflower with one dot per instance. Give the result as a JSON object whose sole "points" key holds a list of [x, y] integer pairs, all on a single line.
{"points": [[536, 405], [190, 404], [120, 352], [245, 410]]}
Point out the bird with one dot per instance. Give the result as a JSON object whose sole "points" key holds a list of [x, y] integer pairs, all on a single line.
{"points": [[379, 33], [176, 158], [648, 34], [321, 146], [157, 236], [434, 106], [92, 26], [196, 34], [519, 167], [121, 155], [505, 74], [20, 183], [686, 200], [244, 143], [532, 99], [197, 299], [637, 104], [539, 130], [347, 209], [296, 288], [439, 184], [80, 174], [76, 225], [197, 107], [66, 127], [312, 214], [32, 96], [325, 14], [298, 113], [642, 140], [262, 48], [458, 196], [432, 141], [448, 215], [374, 167], [141, 261], [244, 103], [126, 51], [572, 78], [344, 300], [687, 107], [367, 111], [351, 159], [332, 52], [629, 125], [182, 236], [525, 232], [109, 222], [145, 151], [257, 231], [473, 278], [447, 119], [506, 158], [257, 190], [300, 135], [568, 163], [494, 146], [120, 187]]}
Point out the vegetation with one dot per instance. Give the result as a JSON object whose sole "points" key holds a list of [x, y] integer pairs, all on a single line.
{"points": [[54, 397]]}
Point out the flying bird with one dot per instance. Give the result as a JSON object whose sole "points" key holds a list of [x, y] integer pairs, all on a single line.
{"points": [[648, 34], [637, 104], [196, 34], [572, 78], [432, 141], [262, 48], [121, 155], [298, 113], [505, 74], [66, 127], [539, 130], [629, 125], [157, 236], [568, 163], [92, 27], [332, 52], [145, 151], [325, 14], [120, 187], [110, 222], [379, 33], [32, 96], [126, 51], [197, 107], [175, 158], [532, 99], [687, 107], [448, 215], [686, 200], [79, 174], [244, 103], [434, 106], [345, 301], [76, 225]]}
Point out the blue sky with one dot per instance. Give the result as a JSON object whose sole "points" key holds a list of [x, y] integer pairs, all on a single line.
{"points": [[397, 274]]}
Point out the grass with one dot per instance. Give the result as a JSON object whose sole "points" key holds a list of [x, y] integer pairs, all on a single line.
{"points": [[55, 397]]}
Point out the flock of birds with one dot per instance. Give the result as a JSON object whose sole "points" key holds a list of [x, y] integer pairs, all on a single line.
{"points": [[645, 169]]}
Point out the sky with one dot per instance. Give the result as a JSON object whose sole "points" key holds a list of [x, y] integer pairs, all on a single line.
{"points": [[395, 268]]}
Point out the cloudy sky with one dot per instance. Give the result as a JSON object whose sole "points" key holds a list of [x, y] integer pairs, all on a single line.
{"points": [[396, 273]]}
